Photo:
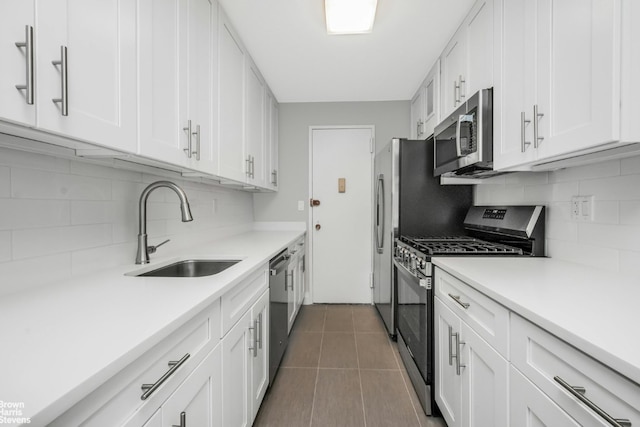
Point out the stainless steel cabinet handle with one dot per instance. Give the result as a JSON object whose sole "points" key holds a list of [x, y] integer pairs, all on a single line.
{"points": [[523, 138], [150, 388], [578, 393], [456, 298], [247, 164], [259, 334], [456, 91], [183, 420], [254, 347], [189, 134], [197, 150], [28, 53], [462, 94], [64, 97], [450, 346], [536, 118], [459, 344], [253, 167]]}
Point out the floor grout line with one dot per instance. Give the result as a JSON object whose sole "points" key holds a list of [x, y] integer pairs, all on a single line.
{"points": [[315, 387], [364, 412]]}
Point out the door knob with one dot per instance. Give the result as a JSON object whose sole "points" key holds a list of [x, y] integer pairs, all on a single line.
{"points": [[314, 202], [318, 226]]}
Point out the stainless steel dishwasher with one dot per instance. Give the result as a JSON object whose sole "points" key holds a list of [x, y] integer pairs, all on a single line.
{"points": [[278, 320]]}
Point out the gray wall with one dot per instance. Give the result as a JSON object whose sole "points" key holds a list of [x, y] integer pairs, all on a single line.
{"points": [[390, 118]]}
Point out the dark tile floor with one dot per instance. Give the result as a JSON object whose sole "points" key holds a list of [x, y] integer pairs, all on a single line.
{"points": [[341, 369]]}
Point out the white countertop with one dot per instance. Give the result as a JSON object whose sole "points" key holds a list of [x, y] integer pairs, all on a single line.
{"points": [[594, 310], [63, 340]]}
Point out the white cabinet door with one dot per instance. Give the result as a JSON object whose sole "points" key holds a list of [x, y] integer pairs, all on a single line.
{"points": [[255, 134], [271, 135], [17, 17], [231, 90], [417, 113], [448, 383], [453, 66], [528, 406], [154, 421], [260, 356], [198, 87], [514, 92], [431, 100], [290, 281], [485, 382], [630, 70], [236, 375], [99, 91], [479, 45], [578, 72], [162, 56], [198, 400]]}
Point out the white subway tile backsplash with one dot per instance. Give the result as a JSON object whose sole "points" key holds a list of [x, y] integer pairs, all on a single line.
{"points": [[625, 187], [580, 253], [30, 213], [630, 212], [5, 181], [606, 212], [544, 194], [45, 241], [35, 184], [95, 259], [23, 274], [624, 237], [5, 246], [562, 230], [23, 159], [91, 212]]}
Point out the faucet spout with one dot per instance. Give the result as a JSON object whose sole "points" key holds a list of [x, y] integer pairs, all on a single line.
{"points": [[142, 254]]}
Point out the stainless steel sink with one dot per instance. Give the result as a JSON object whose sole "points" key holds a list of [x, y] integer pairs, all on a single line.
{"points": [[191, 268]]}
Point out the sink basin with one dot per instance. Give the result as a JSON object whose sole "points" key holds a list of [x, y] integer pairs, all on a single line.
{"points": [[191, 268]]}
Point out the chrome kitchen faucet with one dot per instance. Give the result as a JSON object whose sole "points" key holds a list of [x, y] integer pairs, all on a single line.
{"points": [[142, 255]]}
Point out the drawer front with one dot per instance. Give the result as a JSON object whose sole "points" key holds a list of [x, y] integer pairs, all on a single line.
{"points": [[529, 406], [486, 317], [117, 399], [239, 300], [542, 357]]}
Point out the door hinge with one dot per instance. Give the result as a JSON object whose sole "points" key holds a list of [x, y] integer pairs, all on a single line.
{"points": [[371, 280]]}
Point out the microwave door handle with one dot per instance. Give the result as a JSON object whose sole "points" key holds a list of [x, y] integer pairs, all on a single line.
{"points": [[461, 118]]}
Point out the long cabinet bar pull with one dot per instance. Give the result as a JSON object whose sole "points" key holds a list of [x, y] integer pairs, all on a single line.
{"points": [[456, 298], [462, 94], [536, 118], [456, 90], [259, 334], [150, 388], [64, 97], [28, 53], [578, 393], [450, 346], [254, 347], [183, 420], [197, 150], [523, 137], [247, 164], [459, 344], [189, 136]]}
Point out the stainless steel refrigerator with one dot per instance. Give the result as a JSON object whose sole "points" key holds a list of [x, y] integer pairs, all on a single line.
{"points": [[409, 201]]}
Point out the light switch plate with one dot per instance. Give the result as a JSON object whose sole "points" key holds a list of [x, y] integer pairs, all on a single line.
{"points": [[582, 208]]}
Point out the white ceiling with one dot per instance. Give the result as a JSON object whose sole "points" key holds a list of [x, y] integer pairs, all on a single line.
{"points": [[288, 41]]}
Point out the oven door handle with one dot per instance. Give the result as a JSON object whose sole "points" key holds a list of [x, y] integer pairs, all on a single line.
{"points": [[422, 282]]}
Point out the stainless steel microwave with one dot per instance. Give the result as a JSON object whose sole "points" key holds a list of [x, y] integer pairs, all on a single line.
{"points": [[463, 142]]}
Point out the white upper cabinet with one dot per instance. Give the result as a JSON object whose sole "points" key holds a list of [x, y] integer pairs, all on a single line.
{"points": [[83, 69], [17, 21], [231, 90], [271, 132], [425, 105], [630, 71], [467, 61], [558, 87], [255, 124], [177, 58]]}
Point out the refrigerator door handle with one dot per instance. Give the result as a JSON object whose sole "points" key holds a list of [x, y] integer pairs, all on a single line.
{"points": [[380, 214]]}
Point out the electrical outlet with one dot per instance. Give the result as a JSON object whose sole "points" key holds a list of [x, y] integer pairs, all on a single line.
{"points": [[582, 208]]}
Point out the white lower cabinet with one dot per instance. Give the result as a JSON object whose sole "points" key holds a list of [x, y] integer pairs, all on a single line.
{"points": [[471, 377], [539, 380], [245, 365], [295, 281]]}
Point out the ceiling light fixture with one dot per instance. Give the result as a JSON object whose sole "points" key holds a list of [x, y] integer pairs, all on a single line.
{"points": [[350, 16]]}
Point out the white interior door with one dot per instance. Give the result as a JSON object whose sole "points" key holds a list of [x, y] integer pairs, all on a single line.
{"points": [[341, 223]]}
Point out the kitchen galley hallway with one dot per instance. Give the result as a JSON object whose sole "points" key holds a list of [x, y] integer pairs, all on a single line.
{"points": [[341, 369]]}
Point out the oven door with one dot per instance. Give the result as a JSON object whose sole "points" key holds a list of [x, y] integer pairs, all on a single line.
{"points": [[415, 319]]}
